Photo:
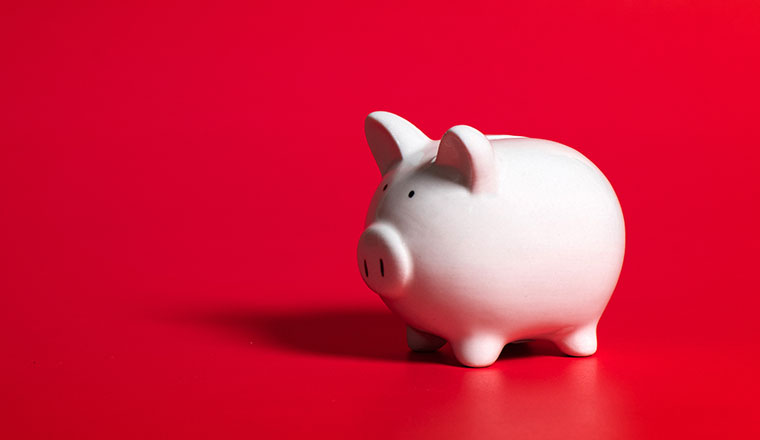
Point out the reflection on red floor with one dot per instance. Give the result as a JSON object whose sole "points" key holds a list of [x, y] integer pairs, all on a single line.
{"points": [[257, 371]]}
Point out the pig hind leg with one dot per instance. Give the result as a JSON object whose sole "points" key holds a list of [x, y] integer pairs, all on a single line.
{"points": [[580, 341], [421, 341]]}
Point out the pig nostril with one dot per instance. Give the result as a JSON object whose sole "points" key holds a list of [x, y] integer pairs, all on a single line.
{"points": [[366, 271], [382, 269]]}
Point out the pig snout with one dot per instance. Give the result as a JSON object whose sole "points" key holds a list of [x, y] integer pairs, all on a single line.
{"points": [[384, 261]]}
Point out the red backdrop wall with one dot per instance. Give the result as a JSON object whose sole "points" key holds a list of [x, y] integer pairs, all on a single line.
{"points": [[182, 186]]}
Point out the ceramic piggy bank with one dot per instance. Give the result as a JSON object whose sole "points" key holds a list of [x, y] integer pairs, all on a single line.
{"points": [[482, 240]]}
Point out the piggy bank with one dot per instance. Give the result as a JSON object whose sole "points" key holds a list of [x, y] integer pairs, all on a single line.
{"points": [[482, 240]]}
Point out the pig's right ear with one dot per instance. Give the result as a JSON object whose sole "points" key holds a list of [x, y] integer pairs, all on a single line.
{"points": [[471, 154], [393, 139]]}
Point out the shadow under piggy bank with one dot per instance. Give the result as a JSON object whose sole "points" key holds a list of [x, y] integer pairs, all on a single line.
{"points": [[355, 333]]}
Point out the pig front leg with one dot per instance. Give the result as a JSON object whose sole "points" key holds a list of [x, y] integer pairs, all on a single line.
{"points": [[578, 342], [478, 351], [421, 341]]}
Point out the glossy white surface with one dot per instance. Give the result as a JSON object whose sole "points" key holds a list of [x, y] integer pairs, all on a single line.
{"points": [[481, 241]]}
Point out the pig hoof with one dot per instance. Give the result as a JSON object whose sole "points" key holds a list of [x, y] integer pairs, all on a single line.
{"points": [[580, 342], [421, 341], [478, 351]]}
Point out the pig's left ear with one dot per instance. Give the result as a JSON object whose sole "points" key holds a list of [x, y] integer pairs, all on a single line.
{"points": [[393, 139], [469, 152]]}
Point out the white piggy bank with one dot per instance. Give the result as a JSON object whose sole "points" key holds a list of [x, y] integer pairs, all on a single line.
{"points": [[484, 240]]}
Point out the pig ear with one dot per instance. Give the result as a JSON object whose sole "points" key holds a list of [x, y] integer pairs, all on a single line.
{"points": [[393, 139], [469, 152]]}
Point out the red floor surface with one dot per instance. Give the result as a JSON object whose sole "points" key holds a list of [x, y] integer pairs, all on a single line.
{"points": [[182, 186]]}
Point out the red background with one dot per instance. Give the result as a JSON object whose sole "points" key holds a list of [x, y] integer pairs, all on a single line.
{"points": [[182, 187]]}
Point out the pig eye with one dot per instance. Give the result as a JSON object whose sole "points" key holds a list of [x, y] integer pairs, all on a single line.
{"points": [[385, 187], [411, 194]]}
